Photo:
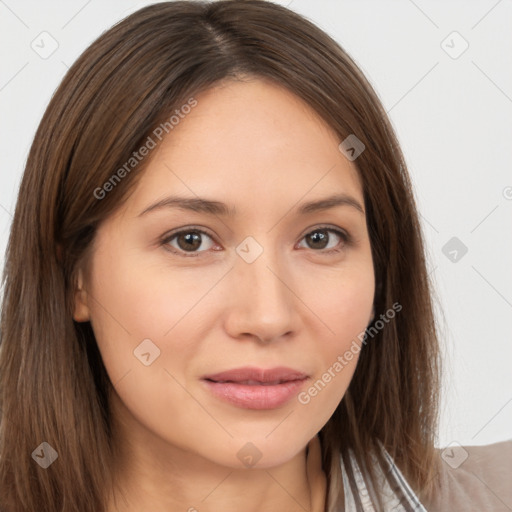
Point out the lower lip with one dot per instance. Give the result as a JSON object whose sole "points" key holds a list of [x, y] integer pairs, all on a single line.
{"points": [[255, 396]]}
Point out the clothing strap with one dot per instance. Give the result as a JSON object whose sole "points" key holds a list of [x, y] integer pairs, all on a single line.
{"points": [[395, 492]]}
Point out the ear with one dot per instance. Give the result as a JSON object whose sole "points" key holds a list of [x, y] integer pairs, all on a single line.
{"points": [[81, 310], [373, 316]]}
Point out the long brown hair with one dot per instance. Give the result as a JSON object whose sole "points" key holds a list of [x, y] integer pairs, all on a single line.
{"points": [[53, 385]]}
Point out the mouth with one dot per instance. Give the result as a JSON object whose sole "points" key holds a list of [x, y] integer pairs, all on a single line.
{"points": [[255, 388], [251, 382]]}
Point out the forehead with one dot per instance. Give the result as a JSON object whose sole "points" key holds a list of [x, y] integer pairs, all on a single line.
{"points": [[249, 143]]}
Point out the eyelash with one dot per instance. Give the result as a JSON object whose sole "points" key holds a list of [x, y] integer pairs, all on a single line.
{"points": [[345, 237]]}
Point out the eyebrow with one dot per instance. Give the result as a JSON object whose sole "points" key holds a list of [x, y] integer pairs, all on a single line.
{"points": [[217, 208]]}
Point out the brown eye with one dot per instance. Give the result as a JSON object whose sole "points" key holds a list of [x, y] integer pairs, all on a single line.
{"points": [[322, 239], [188, 241], [318, 239]]}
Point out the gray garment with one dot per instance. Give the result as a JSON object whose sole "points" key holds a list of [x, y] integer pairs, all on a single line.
{"points": [[470, 479]]}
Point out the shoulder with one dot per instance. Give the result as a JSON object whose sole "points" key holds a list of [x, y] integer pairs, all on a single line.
{"points": [[474, 478]]}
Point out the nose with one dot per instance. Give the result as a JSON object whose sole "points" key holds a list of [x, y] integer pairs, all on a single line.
{"points": [[263, 301]]}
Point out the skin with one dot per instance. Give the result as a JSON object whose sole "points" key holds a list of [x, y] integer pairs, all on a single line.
{"points": [[257, 147]]}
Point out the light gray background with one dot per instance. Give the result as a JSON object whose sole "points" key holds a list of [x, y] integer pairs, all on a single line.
{"points": [[452, 116]]}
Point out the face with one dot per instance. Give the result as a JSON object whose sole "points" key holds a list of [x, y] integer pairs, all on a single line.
{"points": [[268, 288]]}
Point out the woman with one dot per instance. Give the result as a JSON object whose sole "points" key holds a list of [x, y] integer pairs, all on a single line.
{"points": [[215, 287]]}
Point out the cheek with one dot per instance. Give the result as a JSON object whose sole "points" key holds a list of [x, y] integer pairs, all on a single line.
{"points": [[345, 309], [139, 315], [132, 301], [345, 305]]}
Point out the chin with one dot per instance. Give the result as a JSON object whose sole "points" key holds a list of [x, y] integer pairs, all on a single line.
{"points": [[259, 452]]}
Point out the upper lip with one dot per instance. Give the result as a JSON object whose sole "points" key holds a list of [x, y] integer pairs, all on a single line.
{"points": [[250, 373]]}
